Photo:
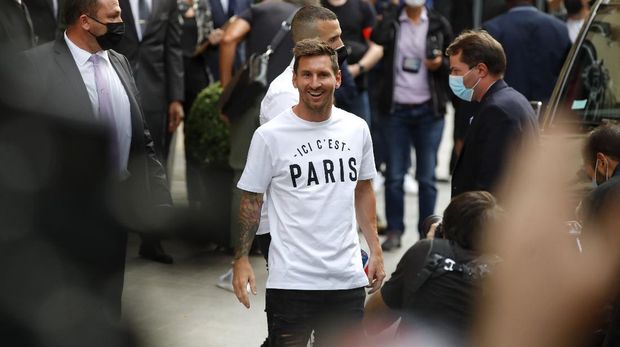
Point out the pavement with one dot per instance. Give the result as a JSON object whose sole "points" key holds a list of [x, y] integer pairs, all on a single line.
{"points": [[179, 305]]}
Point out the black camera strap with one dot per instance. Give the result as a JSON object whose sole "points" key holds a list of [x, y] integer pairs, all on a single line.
{"points": [[441, 259]]}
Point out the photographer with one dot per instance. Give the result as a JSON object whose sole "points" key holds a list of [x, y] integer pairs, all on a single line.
{"points": [[443, 295], [411, 98]]}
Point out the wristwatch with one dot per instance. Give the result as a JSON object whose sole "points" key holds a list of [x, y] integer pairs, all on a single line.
{"points": [[362, 68]]}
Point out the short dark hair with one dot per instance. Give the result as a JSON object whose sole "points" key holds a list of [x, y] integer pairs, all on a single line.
{"points": [[479, 47], [304, 23], [466, 216], [73, 9], [314, 48], [573, 6], [604, 139]]}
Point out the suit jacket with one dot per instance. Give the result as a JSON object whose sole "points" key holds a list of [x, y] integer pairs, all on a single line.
{"points": [[157, 60], [460, 13], [504, 118], [536, 45], [46, 26], [16, 32], [64, 94]]}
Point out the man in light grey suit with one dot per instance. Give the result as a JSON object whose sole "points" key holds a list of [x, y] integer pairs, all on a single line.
{"points": [[152, 43], [87, 81]]}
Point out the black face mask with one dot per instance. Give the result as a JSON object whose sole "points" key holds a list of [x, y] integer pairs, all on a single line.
{"points": [[112, 36], [342, 53]]}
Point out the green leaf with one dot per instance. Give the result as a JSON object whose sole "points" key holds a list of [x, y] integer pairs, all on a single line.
{"points": [[207, 136]]}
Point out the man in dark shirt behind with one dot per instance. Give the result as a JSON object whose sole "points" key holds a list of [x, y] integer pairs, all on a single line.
{"points": [[536, 45]]}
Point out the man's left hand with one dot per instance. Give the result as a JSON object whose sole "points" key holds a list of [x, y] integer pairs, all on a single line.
{"points": [[354, 70], [175, 115], [433, 64], [376, 273]]}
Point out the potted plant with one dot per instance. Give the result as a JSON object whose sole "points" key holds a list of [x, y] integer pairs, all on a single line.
{"points": [[208, 145]]}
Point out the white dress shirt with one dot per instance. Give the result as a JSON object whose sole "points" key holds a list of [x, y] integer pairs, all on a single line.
{"points": [[121, 108], [135, 11], [224, 5]]}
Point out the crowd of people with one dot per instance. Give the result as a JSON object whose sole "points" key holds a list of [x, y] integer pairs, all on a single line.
{"points": [[353, 87]]}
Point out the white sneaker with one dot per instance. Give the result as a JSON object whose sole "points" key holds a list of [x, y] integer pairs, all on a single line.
{"points": [[225, 281], [378, 182], [410, 185]]}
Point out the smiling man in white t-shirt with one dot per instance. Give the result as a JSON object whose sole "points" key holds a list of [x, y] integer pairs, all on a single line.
{"points": [[316, 162]]}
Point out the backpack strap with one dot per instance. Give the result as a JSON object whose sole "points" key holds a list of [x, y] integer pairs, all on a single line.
{"points": [[284, 28], [426, 272]]}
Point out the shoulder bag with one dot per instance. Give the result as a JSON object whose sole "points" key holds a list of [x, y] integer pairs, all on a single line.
{"points": [[250, 82]]}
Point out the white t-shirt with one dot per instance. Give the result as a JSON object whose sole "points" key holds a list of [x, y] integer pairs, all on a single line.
{"points": [[280, 96], [310, 171]]}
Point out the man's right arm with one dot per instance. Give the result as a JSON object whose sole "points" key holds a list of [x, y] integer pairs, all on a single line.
{"points": [[249, 218], [235, 33]]}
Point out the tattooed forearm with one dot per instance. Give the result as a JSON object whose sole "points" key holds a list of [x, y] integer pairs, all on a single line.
{"points": [[249, 217]]}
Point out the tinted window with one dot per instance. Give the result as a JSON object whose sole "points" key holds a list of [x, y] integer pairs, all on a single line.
{"points": [[591, 92]]}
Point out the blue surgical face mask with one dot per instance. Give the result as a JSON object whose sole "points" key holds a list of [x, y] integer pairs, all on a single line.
{"points": [[459, 89]]}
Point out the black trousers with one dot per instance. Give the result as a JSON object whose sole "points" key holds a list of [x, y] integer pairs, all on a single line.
{"points": [[292, 315]]}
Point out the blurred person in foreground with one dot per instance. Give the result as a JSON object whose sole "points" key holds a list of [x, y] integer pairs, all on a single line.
{"points": [[316, 162], [504, 117], [446, 298], [545, 292], [87, 80]]}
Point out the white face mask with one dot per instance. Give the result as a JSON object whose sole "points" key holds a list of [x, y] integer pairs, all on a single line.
{"points": [[415, 3], [594, 182]]}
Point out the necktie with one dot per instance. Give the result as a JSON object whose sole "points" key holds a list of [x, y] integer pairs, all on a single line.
{"points": [[144, 12], [31, 36], [106, 114], [232, 4]]}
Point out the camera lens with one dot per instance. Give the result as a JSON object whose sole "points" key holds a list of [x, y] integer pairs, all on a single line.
{"points": [[428, 221]]}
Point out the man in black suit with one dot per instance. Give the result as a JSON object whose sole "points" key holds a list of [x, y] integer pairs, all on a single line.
{"points": [[152, 43], [85, 80], [222, 12], [16, 33], [46, 18], [504, 119]]}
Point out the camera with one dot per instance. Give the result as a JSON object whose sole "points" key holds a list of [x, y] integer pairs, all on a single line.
{"points": [[433, 47], [430, 220]]}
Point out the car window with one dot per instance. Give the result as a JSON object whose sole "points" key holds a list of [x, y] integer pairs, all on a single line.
{"points": [[591, 93]]}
